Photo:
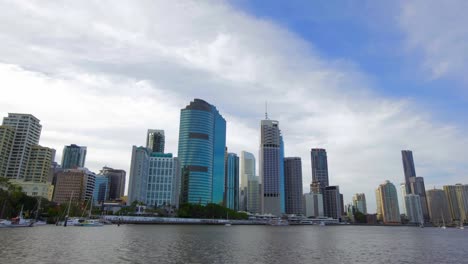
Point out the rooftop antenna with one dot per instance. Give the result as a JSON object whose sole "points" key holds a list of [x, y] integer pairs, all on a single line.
{"points": [[266, 110]]}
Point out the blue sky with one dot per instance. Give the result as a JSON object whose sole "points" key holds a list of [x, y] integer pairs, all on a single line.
{"points": [[367, 35]]}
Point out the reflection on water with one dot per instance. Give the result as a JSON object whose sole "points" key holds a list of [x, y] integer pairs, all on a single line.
{"points": [[235, 244]]}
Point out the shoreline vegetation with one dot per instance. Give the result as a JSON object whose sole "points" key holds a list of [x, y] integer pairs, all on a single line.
{"points": [[12, 199]]}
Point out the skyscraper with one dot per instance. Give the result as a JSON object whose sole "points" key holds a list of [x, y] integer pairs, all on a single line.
{"points": [[77, 184], [7, 135], [387, 204], [116, 182], [155, 140], [413, 208], [332, 204], [139, 169], [73, 156], [271, 165], [27, 132], [313, 205], [101, 189], [39, 164], [319, 167], [408, 167], [231, 186], [202, 142], [254, 189], [417, 187], [439, 209], [359, 202], [247, 173], [293, 185], [457, 198], [163, 180]]}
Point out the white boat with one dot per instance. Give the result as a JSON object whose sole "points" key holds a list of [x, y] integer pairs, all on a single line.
{"points": [[322, 223], [227, 224], [18, 221], [88, 221], [443, 221]]}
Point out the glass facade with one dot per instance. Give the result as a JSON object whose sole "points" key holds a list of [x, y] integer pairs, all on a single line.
{"points": [[271, 168], [408, 167], [73, 157], [202, 141], [101, 189], [161, 181], [232, 182]]}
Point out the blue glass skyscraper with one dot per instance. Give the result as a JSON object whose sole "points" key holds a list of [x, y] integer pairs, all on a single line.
{"points": [[231, 189], [202, 141]]}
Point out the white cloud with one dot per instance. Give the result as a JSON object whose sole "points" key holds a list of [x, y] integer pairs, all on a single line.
{"points": [[438, 29], [99, 74]]}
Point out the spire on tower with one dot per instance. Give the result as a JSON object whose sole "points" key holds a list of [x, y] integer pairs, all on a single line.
{"points": [[266, 110]]}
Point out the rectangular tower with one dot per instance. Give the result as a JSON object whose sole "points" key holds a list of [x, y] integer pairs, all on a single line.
{"points": [[116, 182], [7, 135], [271, 164], [293, 185], [73, 157], [247, 173], [231, 186], [155, 140], [27, 133], [40, 162], [408, 168]]}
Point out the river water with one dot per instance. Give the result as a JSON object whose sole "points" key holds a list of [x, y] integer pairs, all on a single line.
{"points": [[234, 244]]}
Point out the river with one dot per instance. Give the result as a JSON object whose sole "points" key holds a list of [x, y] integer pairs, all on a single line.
{"points": [[234, 244]]}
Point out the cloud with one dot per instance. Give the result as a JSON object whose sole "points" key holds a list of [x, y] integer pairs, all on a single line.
{"points": [[438, 30], [99, 74]]}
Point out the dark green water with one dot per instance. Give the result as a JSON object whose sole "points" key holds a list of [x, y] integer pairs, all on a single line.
{"points": [[235, 244]]}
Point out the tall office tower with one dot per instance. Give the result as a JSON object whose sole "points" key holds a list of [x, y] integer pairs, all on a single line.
{"points": [[202, 142], [387, 204], [332, 202], [439, 209], [462, 195], [408, 167], [254, 190], [76, 184], [163, 181], [403, 194], [101, 189], [359, 202], [413, 208], [417, 187], [231, 185], [40, 161], [155, 140], [73, 156], [7, 136], [27, 133], [271, 164], [139, 169], [116, 182], [319, 167], [457, 198], [247, 173], [293, 185], [313, 205]]}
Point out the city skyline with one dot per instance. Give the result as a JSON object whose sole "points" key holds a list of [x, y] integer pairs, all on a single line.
{"points": [[322, 99]]}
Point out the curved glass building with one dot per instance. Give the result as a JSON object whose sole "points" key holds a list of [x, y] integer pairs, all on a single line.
{"points": [[202, 141]]}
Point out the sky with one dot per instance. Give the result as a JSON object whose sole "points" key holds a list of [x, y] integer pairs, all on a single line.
{"points": [[362, 79]]}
